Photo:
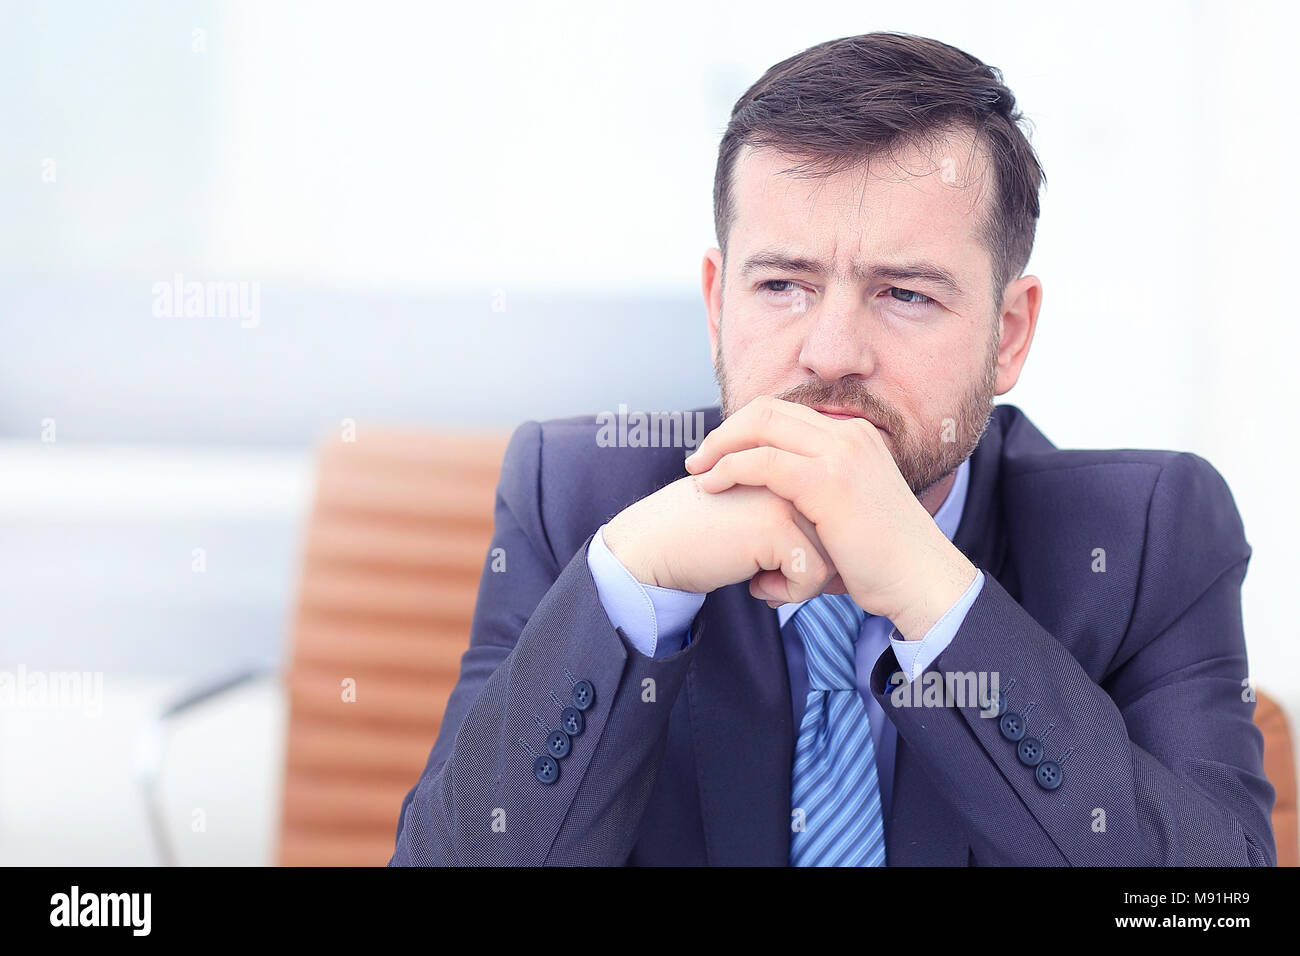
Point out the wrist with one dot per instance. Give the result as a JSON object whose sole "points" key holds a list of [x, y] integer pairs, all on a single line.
{"points": [[625, 547], [938, 584]]}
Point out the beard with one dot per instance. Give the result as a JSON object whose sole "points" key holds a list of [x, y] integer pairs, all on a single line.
{"points": [[924, 456]]}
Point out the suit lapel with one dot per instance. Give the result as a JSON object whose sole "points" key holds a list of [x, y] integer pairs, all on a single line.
{"points": [[738, 691], [981, 536]]}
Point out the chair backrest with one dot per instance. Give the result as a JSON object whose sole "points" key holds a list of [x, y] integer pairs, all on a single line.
{"points": [[1279, 767], [395, 545], [394, 550]]}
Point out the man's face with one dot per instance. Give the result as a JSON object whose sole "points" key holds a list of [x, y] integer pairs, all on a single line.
{"points": [[891, 315]]}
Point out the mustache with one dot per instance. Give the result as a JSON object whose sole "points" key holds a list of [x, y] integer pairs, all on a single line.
{"points": [[845, 396]]}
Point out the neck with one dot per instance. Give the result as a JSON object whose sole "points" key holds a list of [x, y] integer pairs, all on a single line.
{"points": [[932, 498]]}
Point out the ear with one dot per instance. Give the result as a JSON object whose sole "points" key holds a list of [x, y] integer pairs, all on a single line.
{"points": [[711, 283], [1020, 305]]}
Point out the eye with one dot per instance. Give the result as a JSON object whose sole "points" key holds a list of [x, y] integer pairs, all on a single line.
{"points": [[910, 297], [785, 294]]}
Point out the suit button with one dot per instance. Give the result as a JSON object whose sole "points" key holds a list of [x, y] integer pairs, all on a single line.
{"points": [[1012, 726], [1048, 774], [572, 721], [1030, 751], [584, 695], [986, 703], [558, 743], [547, 769]]}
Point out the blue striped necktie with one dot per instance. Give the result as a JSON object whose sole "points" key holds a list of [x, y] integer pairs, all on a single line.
{"points": [[834, 777]]}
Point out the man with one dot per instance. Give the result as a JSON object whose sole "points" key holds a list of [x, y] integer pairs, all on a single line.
{"points": [[757, 656]]}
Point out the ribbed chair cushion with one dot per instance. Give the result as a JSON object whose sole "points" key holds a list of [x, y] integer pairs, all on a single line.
{"points": [[394, 548]]}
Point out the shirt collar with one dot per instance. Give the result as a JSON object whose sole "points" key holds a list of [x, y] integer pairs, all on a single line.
{"points": [[948, 517]]}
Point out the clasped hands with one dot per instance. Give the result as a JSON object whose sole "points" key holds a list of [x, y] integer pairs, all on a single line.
{"points": [[800, 504]]}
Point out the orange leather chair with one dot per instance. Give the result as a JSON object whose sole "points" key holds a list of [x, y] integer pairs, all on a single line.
{"points": [[1279, 767], [394, 549]]}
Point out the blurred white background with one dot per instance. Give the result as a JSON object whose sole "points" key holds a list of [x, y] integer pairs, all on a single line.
{"points": [[384, 170]]}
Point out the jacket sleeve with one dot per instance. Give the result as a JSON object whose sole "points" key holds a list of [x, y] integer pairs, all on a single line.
{"points": [[539, 630], [1160, 763]]}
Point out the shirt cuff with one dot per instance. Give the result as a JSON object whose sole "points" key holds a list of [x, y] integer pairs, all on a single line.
{"points": [[657, 621], [915, 656]]}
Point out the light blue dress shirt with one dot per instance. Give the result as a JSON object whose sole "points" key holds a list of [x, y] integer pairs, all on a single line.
{"points": [[657, 622]]}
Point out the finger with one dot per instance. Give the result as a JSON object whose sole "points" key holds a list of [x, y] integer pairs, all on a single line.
{"points": [[762, 592], [764, 422], [810, 532], [789, 476], [773, 587], [763, 587], [800, 571]]}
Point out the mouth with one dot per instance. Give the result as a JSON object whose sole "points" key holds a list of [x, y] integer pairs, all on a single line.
{"points": [[836, 411]]}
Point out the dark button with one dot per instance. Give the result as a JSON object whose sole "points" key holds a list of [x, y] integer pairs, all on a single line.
{"points": [[584, 695], [986, 704], [572, 721], [558, 743], [547, 768], [1030, 751], [1048, 774], [1013, 726]]}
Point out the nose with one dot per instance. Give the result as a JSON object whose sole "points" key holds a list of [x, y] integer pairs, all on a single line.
{"points": [[837, 343]]}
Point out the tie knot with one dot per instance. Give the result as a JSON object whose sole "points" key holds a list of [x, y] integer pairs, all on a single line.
{"points": [[829, 625]]}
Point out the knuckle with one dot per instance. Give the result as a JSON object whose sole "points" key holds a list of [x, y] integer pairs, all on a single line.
{"points": [[802, 590]]}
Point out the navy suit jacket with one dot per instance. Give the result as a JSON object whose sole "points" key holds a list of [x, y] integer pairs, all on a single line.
{"points": [[1133, 678]]}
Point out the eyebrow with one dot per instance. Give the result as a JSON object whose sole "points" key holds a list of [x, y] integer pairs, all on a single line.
{"points": [[860, 272]]}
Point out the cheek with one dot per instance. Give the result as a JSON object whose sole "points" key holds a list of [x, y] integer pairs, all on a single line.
{"points": [[757, 360], [949, 368], [936, 401]]}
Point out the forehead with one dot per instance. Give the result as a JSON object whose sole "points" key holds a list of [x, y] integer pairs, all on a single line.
{"points": [[916, 201]]}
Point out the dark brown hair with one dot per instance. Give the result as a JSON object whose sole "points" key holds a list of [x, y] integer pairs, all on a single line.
{"points": [[844, 101]]}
